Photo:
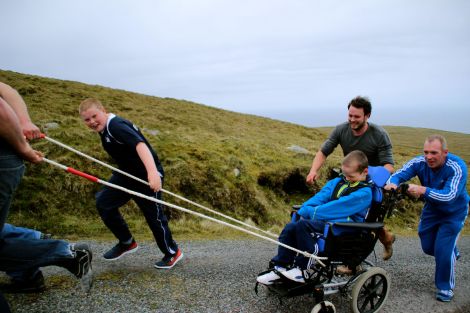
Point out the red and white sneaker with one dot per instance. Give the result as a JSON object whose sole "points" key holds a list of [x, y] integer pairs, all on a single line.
{"points": [[119, 250], [169, 261]]}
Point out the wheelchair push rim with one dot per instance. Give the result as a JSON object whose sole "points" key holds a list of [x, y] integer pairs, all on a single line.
{"points": [[370, 291]]}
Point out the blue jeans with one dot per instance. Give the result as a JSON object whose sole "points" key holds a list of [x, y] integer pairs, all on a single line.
{"points": [[4, 307], [23, 254], [11, 171], [11, 231]]}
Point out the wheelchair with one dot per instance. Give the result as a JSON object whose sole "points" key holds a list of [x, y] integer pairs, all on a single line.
{"points": [[346, 244]]}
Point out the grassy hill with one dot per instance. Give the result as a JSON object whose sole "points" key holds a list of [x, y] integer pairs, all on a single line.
{"points": [[235, 163]]}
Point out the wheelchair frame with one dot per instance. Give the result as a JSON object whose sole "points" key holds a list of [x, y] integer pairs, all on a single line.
{"points": [[368, 287]]}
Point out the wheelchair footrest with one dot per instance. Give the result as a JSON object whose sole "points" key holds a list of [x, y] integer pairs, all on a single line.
{"points": [[292, 289]]}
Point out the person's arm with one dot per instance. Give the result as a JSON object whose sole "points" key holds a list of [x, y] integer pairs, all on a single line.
{"points": [[153, 175], [317, 163], [454, 186], [343, 207], [321, 197], [408, 171], [10, 131], [325, 150], [13, 98], [389, 167]]}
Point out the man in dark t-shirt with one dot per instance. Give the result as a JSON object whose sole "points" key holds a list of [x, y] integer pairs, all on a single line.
{"points": [[358, 134]]}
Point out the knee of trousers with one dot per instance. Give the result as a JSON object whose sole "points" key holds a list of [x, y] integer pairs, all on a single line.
{"points": [[304, 226], [287, 233], [428, 250], [103, 209], [289, 228], [427, 246]]}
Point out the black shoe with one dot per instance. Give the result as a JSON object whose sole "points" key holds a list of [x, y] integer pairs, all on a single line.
{"points": [[35, 284], [120, 249], [80, 265]]}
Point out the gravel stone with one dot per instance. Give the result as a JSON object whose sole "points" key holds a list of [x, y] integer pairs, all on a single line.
{"points": [[219, 276]]}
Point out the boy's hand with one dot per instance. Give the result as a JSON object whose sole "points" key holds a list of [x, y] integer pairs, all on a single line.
{"points": [[155, 181]]}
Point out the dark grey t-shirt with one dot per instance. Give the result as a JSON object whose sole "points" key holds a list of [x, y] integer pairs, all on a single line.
{"points": [[375, 143]]}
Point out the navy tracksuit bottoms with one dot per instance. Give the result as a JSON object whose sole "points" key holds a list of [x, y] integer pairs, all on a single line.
{"points": [[109, 200]]}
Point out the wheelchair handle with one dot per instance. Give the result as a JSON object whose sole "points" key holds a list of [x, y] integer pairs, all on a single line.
{"points": [[403, 188], [396, 195]]}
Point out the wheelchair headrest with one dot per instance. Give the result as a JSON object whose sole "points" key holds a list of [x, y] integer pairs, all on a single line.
{"points": [[379, 175]]}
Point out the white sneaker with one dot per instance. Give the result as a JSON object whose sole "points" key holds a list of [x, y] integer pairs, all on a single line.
{"points": [[269, 278], [294, 274]]}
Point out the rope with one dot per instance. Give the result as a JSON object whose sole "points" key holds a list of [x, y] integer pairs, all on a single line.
{"points": [[163, 190], [97, 180]]}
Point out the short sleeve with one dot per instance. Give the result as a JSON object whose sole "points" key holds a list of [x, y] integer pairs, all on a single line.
{"points": [[125, 134], [332, 142]]}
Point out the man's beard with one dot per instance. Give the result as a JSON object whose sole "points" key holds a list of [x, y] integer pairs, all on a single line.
{"points": [[358, 127]]}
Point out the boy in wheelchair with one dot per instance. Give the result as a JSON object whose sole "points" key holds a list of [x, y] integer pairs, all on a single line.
{"points": [[346, 198]]}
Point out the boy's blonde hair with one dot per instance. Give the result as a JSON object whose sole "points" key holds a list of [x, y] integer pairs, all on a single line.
{"points": [[358, 157], [90, 103]]}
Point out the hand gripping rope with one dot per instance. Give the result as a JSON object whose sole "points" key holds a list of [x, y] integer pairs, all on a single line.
{"points": [[100, 181], [146, 183]]}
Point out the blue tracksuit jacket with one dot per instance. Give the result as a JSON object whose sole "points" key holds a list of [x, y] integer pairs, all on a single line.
{"points": [[444, 211], [446, 193]]}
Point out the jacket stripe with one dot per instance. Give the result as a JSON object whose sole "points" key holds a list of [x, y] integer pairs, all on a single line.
{"points": [[454, 185]]}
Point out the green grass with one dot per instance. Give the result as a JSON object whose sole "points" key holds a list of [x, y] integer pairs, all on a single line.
{"points": [[200, 148]]}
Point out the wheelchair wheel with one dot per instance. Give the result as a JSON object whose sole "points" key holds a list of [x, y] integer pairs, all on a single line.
{"points": [[324, 307], [370, 291]]}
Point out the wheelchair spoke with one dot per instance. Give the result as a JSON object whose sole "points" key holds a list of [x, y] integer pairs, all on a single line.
{"points": [[372, 293]]}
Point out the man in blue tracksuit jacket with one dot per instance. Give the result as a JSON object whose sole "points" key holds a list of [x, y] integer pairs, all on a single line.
{"points": [[443, 178]]}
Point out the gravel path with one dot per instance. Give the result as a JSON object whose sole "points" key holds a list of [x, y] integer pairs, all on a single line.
{"points": [[219, 276]]}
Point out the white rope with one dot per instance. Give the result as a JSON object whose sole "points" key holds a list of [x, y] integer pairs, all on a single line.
{"points": [[163, 190], [95, 179]]}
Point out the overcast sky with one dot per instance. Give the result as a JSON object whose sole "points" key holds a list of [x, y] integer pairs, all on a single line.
{"points": [[296, 60]]}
